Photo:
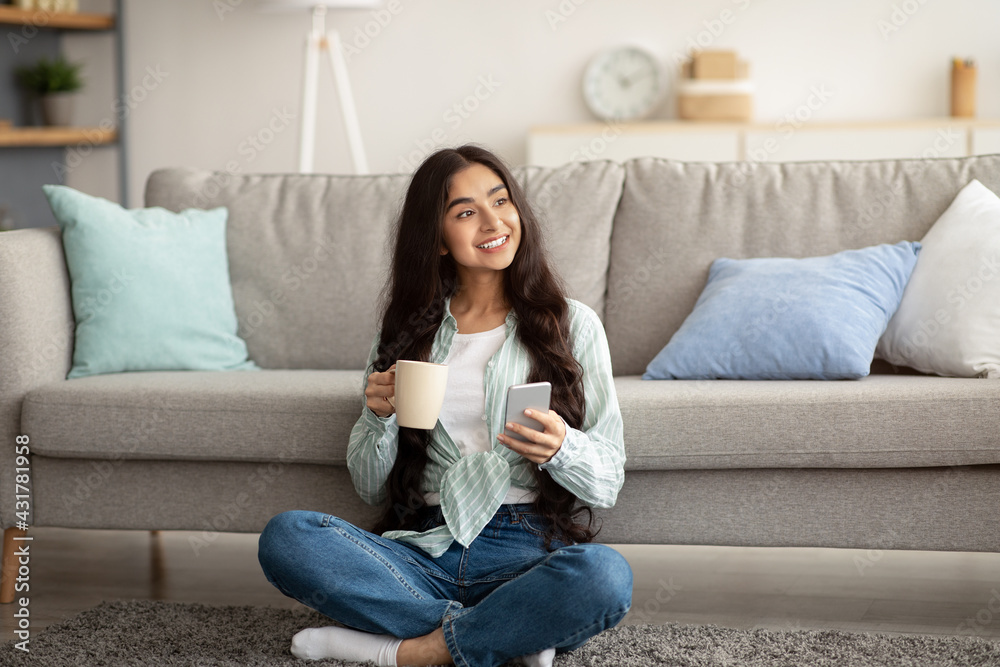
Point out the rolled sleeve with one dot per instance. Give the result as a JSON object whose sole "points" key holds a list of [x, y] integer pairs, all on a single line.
{"points": [[372, 449], [567, 452]]}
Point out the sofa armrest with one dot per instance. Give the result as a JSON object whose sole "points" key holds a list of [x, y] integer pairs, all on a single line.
{"points": [[36, 334]]}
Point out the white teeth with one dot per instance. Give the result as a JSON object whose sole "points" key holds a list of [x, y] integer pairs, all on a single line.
{"points": [[493, 244]]}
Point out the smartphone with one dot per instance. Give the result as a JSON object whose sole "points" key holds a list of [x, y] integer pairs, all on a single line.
{"points": [[521, 397]]}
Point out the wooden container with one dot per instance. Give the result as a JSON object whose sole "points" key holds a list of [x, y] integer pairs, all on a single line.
{"points": [[715, 99], [963, 89], [714, 65]]}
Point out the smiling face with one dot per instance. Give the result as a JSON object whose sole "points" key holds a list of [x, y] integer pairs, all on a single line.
{"points": [[481, 227]]}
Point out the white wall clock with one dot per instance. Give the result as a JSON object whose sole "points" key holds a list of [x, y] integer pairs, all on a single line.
{"points": [[624, 83]]}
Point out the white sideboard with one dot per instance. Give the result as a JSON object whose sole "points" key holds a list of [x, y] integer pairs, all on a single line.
{"points": [[694, 141]]}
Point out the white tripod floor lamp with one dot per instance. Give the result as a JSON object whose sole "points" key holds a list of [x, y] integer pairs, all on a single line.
{"points": [[319, 39]]}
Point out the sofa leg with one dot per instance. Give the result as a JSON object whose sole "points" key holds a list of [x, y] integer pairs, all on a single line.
{"points": [[157, 569], [8, 572]]}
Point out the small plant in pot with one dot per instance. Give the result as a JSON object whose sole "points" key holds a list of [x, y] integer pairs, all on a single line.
{"points": [[54, 82]]}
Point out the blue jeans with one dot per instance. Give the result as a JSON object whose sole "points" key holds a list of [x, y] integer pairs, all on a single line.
{"points": [[502, 597]]}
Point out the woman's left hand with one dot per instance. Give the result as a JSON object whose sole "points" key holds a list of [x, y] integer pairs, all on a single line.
{"points": [[542, 445]]}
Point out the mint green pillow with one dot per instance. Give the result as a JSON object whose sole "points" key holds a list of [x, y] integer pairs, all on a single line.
{"points": [[150, 287]]}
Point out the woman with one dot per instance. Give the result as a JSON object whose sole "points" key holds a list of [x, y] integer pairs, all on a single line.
{"points": [[480, 555]]}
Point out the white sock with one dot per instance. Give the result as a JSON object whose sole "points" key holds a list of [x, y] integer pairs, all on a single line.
{"points": [[540, 659], [345, 644]]}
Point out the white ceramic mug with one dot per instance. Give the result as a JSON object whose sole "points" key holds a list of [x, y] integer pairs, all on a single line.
{"points": [[419, 391]]}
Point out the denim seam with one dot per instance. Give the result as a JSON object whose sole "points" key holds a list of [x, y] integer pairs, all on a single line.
{"points": [[490, 580], [448, 626], [438, 575], [388, 544], [531, 528], [460, 578], [528, 528], [396, 573], [573, 638], [385, 542]]}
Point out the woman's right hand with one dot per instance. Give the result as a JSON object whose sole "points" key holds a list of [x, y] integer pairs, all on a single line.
{"points": [[381, 387]]}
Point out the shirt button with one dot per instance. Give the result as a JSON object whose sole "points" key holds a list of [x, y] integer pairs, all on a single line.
{"points": [[484, 417]]}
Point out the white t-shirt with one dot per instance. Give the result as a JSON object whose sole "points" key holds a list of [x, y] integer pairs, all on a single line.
{"points": [[463, 414]]}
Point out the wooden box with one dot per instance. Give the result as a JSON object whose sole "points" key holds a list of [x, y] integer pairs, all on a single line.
{"points": [[715, 100], [714, 65]]}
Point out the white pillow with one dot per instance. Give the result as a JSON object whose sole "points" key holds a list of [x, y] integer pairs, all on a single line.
{"points": [[948, 322]]}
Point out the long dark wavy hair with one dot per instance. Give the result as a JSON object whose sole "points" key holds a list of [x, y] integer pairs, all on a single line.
{"points": [[413, 305]]}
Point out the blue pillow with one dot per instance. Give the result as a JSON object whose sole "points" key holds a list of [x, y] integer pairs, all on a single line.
{"points": [[818, 318], [150, 287]]}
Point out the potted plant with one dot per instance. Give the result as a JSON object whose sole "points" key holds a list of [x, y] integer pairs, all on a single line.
{"points": [[54, 82]]}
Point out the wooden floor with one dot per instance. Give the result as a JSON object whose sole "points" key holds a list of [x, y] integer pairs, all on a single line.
{"points": [[941, 593]]}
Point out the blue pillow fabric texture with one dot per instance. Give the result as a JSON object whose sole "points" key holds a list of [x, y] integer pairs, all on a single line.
{"points": [[817, 318], [150, 287]]}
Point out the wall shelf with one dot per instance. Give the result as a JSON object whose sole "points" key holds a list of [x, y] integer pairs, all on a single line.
{"points": [[31, 154], [56, 136], [781, 141], [44, 19]]}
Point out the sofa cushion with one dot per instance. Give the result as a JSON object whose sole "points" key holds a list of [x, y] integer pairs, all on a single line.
{"points": [[676, 218], [948, 320], [576, 206], [306, 416], [306, 257], [887, 421], [308, 253], [300, 415], [817, 318], [150, 288]]}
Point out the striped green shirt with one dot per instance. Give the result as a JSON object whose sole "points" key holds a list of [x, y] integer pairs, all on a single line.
{"points": [[590, 462]]}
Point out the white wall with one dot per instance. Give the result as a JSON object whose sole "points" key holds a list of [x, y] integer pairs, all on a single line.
{"points": [[229, 75]]}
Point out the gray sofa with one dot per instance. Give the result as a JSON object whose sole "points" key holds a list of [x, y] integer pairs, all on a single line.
{"points": [[896, 460]]}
